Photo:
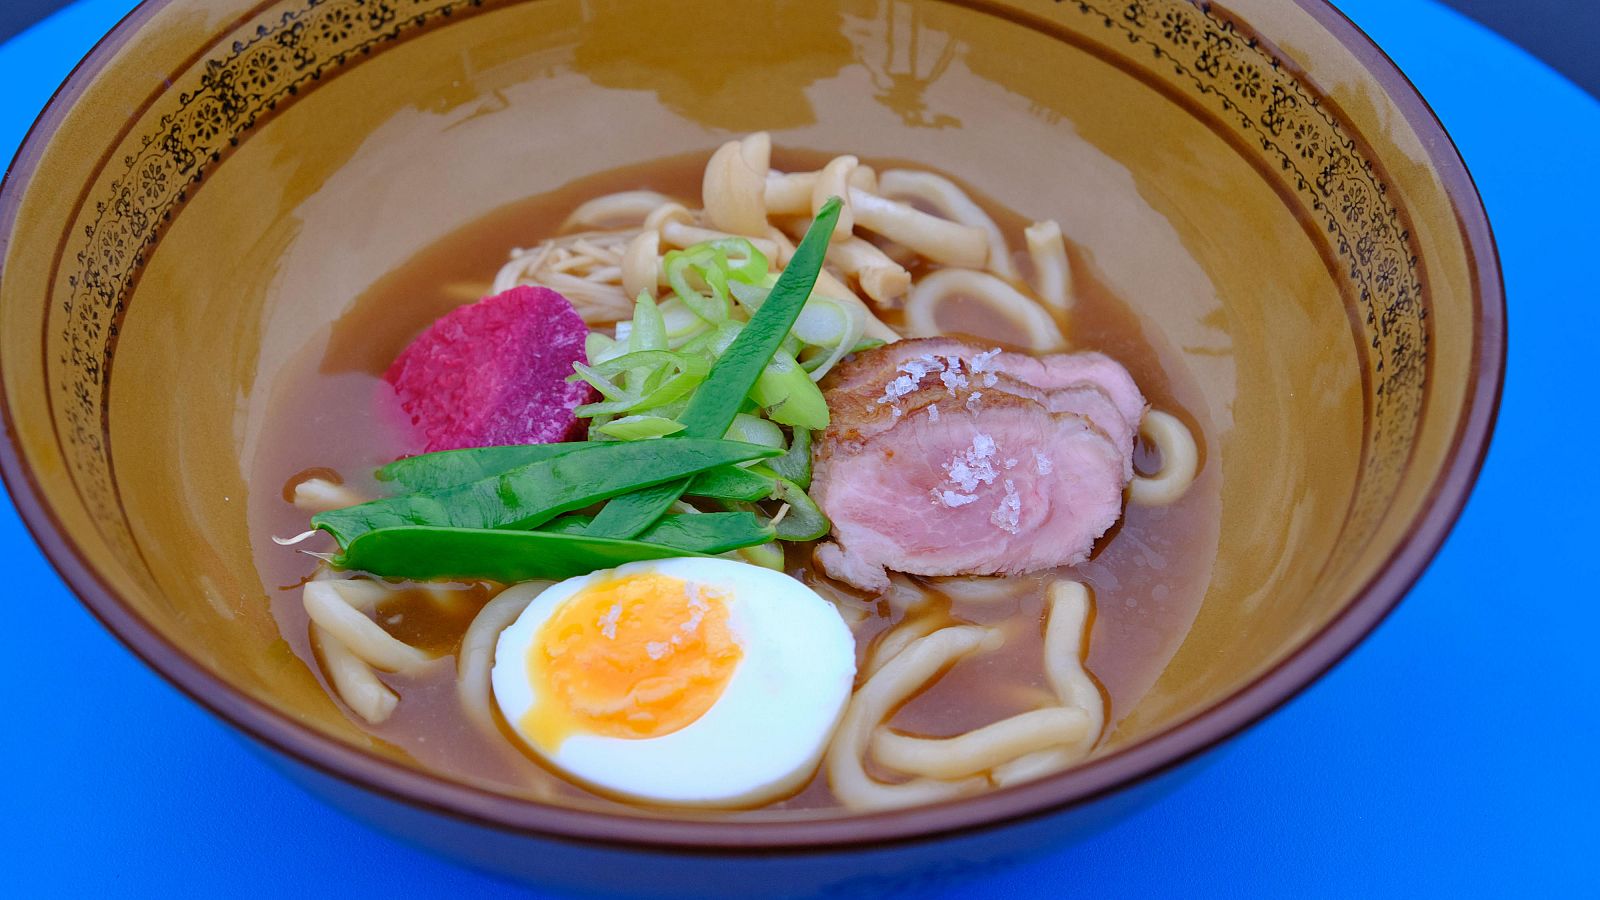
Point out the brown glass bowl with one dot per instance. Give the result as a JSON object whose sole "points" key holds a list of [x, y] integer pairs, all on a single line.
{"points": [[220, 178]]}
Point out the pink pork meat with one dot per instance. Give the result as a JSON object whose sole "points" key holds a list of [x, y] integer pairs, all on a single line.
{"points": [[944, 459]]}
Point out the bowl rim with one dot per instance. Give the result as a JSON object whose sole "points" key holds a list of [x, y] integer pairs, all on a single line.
{"points": [[1174, 745]]}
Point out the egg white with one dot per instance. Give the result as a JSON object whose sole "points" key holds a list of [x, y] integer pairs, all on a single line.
{"points": [[761, 739]]}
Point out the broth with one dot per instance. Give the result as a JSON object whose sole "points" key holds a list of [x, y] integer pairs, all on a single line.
{"points": [[331, 410]]}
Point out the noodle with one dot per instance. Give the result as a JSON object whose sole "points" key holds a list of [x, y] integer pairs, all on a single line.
{"points": [[892, 642], [983, 748], [922, 310], [679, 234], [892, 685], [316, 495], [1024, 745], [1180, 460], [982, 588], [353, 680], [622, 210], [596, 303], [1068, 604], [952, 203], [365, 639], [1052, 273], [476, 657], [940, 240], [584, 267], [361, 594]]}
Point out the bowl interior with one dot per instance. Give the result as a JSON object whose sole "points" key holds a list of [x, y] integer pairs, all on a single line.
{"points": [[1239, 176]]}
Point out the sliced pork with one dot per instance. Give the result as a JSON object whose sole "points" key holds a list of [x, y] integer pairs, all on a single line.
{"points": [[944, 458]]}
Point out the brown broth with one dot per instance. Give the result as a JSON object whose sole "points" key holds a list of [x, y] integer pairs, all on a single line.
{"points": [[332, 412]]}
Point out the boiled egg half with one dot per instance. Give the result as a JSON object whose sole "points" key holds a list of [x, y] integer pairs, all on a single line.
{"points": [[687, 682]]}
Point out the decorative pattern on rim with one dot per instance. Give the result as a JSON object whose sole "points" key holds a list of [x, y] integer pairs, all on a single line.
{"points": [[1319, 159], [215, 104], [1203, 52]]}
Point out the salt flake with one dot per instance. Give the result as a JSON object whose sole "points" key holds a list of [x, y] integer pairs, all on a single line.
{"points": [[912, 372], [953, 499], [953, 379], [968, 468], [1008, 515], [980, 363], [1042, 463]]}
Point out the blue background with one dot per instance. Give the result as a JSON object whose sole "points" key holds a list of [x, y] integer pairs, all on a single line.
{"points": [[1453, 753]]}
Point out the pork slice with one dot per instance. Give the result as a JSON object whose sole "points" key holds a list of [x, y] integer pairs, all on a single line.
{"points": [[887, 370], [1001, 485], [864, 411], [1064, 370], [877, 367], [1093, 403]]}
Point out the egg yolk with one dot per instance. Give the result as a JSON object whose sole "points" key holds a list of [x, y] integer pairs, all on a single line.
{"points": [[634, 657]]}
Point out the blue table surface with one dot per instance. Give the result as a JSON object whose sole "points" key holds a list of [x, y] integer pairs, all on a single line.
{"points": [[1452, 753]]}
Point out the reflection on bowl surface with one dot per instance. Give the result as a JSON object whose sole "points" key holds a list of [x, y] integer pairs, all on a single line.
{"points": [[1261, 221]]}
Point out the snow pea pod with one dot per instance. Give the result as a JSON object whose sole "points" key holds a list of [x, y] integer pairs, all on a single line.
{"points": [[422, 553], [453, 468], [529, 495], [693, 533]]}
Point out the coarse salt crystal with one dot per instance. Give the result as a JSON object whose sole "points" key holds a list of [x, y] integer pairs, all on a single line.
{"points": [[953, 499], [912, 372], [657, 649], [980, 363], [1042, 463], [1011, 463], [968, 468], [972, 401], [1008, 515], [898, 387], [933, 412], [980, 366]]}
